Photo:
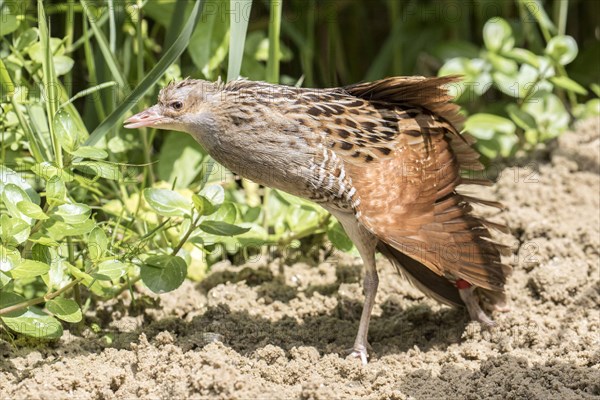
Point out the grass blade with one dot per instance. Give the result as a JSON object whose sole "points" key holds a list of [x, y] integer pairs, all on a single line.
{"points": [[239, 16], [109, 56], [151, 78], [49, 80], [177, 20]]}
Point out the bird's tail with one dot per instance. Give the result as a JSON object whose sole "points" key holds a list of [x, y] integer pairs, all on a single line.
{"points": [[423, 278], [436, 286]]}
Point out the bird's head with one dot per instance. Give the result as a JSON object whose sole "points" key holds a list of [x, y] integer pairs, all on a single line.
{"points": [[182, 106]]}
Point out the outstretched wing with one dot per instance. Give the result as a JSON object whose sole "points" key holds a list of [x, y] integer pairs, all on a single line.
{"points": [[406, 183]]}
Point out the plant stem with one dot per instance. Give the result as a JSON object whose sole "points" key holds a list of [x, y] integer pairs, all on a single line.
{"points": [[274, 33], [186, 236], [45, 298]]}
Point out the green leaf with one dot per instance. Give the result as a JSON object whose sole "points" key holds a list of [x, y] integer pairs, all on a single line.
{"points": [[26, 39], [522, 56], [97, 244], [239, 17], [13, 231], [7, 175], [221, 228], [57, 230], [202, 205], [49, 78], [9, 19], [523, 119], [110, 270], [65, 309], [28, 269], [180, 158], [48, 170], [73, 213], [569, 84], [215, 194], [550, 115], [109, 57], [56, 191], [502, 64], [497, 35], [562, 49], [167, 203], [66, 132], [151, 77], [100, 168], [35, 323], [90, 152], [338, 237], [13, 195], [32, 210], [8, 299], [163, 273], [486, 126], [226, 213]]}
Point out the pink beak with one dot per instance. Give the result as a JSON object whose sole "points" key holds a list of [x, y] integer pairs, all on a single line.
{"points": [[148, 117]]}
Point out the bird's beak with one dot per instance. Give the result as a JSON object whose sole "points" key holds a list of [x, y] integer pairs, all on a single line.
{"points": [[146, 118]]}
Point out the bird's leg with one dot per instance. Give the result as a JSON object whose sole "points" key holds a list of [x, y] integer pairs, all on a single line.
{"points": [[365, 243], [371, 281], [471, 300]]}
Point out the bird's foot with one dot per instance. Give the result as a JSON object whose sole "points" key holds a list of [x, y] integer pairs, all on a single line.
{"points": [[471, 300], [359, 351]]}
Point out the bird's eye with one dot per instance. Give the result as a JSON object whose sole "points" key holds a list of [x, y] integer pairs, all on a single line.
{"points": [[176, 105]]}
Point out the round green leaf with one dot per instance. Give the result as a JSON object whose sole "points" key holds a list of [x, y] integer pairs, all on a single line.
{"points": [[562, 49], [226, 213], [8, 299], [497, 35], [28, 269], [550, 115], [73, 213], [62, 64], [56, 191], [523, 119], [35, 323], [32, 210], [66, 132], [13, 231], [13, 195], [338, 237], [215, 194], [486, 126], [110, 270], [167, 202], [7, 175], [65, 309], [9, 19], [26, 39], [163, 273], [97, 243]]}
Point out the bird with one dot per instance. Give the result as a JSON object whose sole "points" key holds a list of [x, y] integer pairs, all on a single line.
{"points": [[386, 158]]}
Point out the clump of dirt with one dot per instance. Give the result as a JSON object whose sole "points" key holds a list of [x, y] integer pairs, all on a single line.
{"points": [[263, 331]]}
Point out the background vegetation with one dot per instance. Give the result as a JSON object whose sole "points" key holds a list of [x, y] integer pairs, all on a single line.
{"points": [[88, 208]]}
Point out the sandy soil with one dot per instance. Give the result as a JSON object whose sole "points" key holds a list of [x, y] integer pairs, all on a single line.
{"points": [[271, 331]]}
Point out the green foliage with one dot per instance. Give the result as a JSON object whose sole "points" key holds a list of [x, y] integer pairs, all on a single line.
{"points": [[530, 110]]}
